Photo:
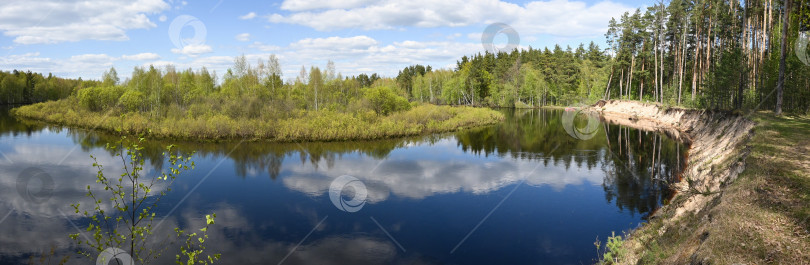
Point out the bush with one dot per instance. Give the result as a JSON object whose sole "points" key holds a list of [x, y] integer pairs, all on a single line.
{"points": [[614, 250], [384, 101], [131, 100], [100, 98], [87, 98]]}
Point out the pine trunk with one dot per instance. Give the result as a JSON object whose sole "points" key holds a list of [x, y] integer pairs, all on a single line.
{"points": [[780, 87]]}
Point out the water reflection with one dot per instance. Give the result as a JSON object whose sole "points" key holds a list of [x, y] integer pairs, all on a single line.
{"points": [[33, 226], [428, 191], [11, 126]]}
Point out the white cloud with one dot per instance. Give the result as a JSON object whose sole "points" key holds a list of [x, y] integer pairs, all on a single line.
{"points": [[336, 43], [263, 47], [363, 54], [301, 5], [217, 63], [28, 61], [53, 21], [568, 18], [352, 55], [556, 17], [243, 37], [147, 56], [193, 50], [87, 66], [163, 18], [247, 16], [91, 58]]}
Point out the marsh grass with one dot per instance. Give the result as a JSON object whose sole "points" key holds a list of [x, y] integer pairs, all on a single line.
{"points": [[220, 120]]}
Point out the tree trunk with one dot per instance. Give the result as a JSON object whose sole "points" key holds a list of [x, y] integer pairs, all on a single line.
{"points": [[744, 39], [641, 88], [430, 87], [607, 90], [708, 54], [661, 52], [683, 59], [630, 79], [655, 62], [780, 86], [695, 66], [621, 85], [765, 39], [316, 96]]}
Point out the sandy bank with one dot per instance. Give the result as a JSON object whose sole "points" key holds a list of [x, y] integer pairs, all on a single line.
{"points": [[718, 148]]}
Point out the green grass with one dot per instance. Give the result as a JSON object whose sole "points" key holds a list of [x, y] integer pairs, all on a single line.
{"points": [[212, 121]]}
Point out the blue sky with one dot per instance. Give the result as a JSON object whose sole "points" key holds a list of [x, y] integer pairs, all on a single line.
{"points": [[83, 38]]}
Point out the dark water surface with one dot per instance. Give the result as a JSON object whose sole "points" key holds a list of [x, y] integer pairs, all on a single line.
{"points": [[521, 192]]}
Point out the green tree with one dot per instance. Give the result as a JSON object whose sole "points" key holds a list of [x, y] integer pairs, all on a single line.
{"points": [[384, 101], [110, 77], [133, 197]]}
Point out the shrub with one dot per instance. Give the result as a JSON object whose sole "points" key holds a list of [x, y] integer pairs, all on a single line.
{"points": [[131, 100], [197, 110], [87, 98], [614, 250], [384, 101], [100, 98]]}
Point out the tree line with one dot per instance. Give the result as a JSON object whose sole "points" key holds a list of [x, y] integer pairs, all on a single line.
{"points": [[521, 78], [18, 87], [249, 87], [719, 54], [713, 54], [698, 53]]}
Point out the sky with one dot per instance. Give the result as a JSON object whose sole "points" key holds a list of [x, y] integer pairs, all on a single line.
{"points": [[84, 38]]}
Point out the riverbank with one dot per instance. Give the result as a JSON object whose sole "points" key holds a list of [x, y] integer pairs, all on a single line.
{"points": [[744, 197], [302, 125]]}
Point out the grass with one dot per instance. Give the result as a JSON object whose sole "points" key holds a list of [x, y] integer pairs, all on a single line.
{"points": [[761, 218], [299, 125]]}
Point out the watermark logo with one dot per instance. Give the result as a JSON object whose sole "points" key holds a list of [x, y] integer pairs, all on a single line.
{"points": [[801, 47], [111, 254], [29, 179], [176, 30], [345, 187], [582, 133], [489, 34]]}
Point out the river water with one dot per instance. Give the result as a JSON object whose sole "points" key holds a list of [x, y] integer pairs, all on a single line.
{"points": [[539, 188]]}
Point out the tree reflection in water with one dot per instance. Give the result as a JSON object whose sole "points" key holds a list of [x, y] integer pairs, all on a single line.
{"points": [[638, 165]]}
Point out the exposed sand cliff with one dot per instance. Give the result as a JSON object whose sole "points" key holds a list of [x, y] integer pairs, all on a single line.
{"points": [[715, 159]]}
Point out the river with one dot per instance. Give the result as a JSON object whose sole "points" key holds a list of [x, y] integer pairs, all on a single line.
{"points": [[538, 188]]}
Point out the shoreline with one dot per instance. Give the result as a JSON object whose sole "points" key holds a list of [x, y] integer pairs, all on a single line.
{"points": [[718, 148]]}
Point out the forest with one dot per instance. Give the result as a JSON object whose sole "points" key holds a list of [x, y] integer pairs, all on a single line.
{"points": [[17, 87], [703, 54]]}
